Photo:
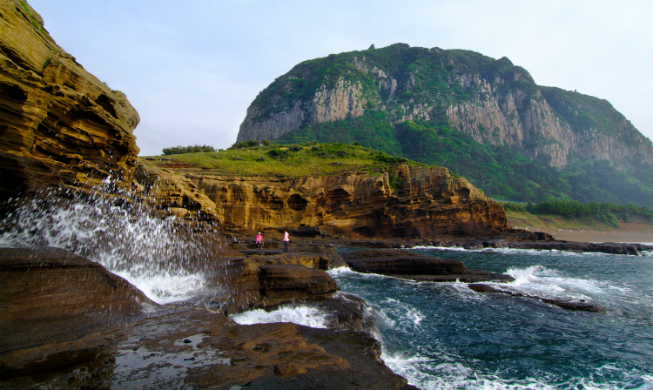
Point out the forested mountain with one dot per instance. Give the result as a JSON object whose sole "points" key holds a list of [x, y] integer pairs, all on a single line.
{"points": [[483, 118]]}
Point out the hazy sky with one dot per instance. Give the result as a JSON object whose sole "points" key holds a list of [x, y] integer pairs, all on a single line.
{"points": [[191, 69]]}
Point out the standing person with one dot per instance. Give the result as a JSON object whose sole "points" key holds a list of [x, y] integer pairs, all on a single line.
{"points": [[286, 240], [259, 240]]}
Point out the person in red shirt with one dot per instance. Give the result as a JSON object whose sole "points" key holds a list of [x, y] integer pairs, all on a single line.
{"points": [[259, 240]]}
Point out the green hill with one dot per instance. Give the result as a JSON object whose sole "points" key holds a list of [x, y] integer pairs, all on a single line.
{"points": [[485, 119]]}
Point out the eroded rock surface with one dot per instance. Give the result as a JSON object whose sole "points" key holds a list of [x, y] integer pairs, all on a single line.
{"points": [[410, 202], [59, 125], [68, 323]]}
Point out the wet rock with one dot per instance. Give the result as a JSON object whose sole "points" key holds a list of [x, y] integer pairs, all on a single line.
{"points": [[401, 262], [291, 281], [50, 295], [568, 305], [406, 264]]}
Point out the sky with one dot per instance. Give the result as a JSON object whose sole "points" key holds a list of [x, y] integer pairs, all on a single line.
{"points": [[191, 69]]}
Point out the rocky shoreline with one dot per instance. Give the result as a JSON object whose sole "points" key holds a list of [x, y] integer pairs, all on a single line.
{"points": [[67, 322], [57, 334]]}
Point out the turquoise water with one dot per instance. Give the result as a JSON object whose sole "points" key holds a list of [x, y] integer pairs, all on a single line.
{"points": [[445, 336]]}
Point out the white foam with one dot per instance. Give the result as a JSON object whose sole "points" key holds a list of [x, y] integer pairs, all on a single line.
{"points": [[300, 315], [166, 288], [427, 374], [344, 270], [151, 253], [508, 251], [547, 283]]}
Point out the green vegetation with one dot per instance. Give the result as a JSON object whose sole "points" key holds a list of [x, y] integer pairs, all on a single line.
{"points": [[33, 19], [498, 170], [373, 129], [399, 82], [251, 158], [587, 114], [605, 213], [187, 149]]}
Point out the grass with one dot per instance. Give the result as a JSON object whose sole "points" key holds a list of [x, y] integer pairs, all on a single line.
{"points": [[300, 160], [519, 217], [525, 219]]}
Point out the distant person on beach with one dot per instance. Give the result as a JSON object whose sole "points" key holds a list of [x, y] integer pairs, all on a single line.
{"points": [[286, 240], [259, 240]]}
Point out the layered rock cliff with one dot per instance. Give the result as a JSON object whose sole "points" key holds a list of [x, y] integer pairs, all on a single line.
{"points": [[59, 125], [404, 202], [493, 101]]}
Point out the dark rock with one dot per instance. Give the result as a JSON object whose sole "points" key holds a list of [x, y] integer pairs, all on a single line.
{"points": [[306, 231], [568, 305], [401, 262], [50, 295], [292, 281], [409, 265], [578, 306]]}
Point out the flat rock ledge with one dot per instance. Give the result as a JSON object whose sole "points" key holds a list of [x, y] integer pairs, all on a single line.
{"points": [[69, 323], [409, 265]]}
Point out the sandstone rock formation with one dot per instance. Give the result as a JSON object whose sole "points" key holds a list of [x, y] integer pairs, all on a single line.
{"points": [[59, 124], [408, 202]]}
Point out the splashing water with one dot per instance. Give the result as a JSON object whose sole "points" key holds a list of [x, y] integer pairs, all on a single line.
{"points": [[300, 315], [163, 257]]}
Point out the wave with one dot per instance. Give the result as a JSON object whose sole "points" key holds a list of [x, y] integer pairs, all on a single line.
{"points": [[300, 315], [533, 252], [423, 373], [161, 257]]}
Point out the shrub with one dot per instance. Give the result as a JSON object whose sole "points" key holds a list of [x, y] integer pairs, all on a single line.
{"points": [[188, 149]]}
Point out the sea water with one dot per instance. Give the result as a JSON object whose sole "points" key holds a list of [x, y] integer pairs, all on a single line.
{"points": [[163, 257], [446, 336]]}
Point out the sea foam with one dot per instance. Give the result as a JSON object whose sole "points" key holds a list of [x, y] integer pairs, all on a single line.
{"points": [[300, 315]]}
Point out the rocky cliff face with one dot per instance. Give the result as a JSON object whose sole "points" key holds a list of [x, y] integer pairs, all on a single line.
{"points": [[342, 100], [407, 202], [491, 100], [59, 125]]}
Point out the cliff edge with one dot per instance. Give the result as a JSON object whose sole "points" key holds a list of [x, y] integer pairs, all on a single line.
{"points": [[59, 125]]}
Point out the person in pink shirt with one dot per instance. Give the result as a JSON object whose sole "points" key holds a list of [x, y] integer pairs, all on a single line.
{"points": [[286, 240], [259, 240]]}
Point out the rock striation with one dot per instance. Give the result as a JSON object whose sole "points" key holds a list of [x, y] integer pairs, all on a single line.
{"points": [[408, 202], [59, 125]]}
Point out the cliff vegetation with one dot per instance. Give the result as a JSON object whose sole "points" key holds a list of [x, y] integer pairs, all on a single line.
{"points": [[484, 118]]}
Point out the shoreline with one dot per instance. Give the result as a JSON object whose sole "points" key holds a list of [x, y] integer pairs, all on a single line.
{"points": [[624, 236]]}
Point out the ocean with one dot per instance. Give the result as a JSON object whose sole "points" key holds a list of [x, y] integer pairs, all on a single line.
{"points": [[446, 336]]}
